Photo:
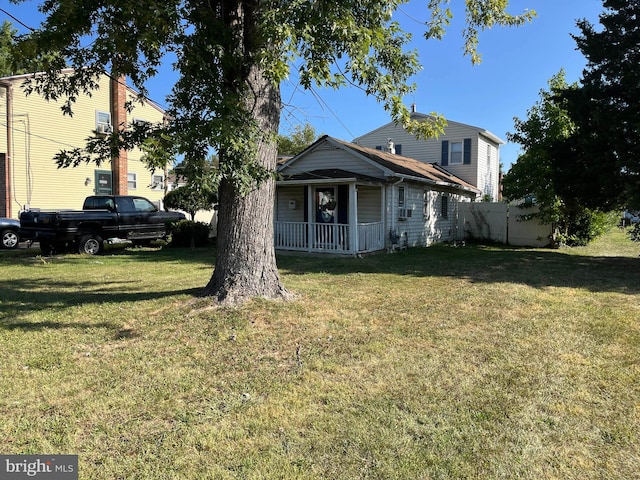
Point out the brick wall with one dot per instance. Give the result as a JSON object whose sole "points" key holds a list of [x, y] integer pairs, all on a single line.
{"points": [[119, 165], [5, 201]]}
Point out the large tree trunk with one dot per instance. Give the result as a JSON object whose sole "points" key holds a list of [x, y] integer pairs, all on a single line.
{"points": [[246, 264]]}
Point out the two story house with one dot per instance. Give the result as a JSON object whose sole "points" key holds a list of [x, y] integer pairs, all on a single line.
{"points": [[33, 130], [468, 152]]}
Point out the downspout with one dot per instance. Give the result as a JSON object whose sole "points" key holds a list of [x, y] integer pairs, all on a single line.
{"points": [[393, 196], [9, 156]]}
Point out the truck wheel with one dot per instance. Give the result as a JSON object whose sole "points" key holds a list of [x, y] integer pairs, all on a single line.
{"points": [[90, 244], [10, 238]]}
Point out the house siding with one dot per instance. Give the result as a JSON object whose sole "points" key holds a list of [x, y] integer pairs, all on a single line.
{"points": [[284, 195], [418, 229], [326, 158], [369, 204], [488, 168], [41, 131], [430, 151]]}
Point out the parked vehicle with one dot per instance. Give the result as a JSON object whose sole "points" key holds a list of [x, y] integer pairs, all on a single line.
{"points": [[103, 217], [9, 233]]}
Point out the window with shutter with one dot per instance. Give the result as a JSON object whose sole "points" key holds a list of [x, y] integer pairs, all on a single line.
{"points": [[455, 153], [444, 158], [467, 151]]}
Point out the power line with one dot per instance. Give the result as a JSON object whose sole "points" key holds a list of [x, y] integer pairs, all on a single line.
{"points": [[16, 20]]}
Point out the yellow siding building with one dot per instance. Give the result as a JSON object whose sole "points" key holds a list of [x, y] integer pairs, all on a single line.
{"points": [[33, 130]]}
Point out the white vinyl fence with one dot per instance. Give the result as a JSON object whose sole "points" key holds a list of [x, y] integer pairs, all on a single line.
{"points": [[502, 223]]}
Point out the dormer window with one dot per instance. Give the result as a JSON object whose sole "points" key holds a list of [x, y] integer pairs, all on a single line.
{"points": [[103, 123]]}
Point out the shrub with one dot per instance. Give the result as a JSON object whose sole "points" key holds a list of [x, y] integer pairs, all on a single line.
{"points": [[634, 232], [583, 227], [187, 233]]}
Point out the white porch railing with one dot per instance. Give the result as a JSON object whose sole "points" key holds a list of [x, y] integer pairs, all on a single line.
{"points": [[327, 237], [370, 237]]}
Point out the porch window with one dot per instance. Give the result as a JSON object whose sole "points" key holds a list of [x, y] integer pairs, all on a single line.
{"points": [[402, 210], [444, 206], [426, 204], [401, 197]]}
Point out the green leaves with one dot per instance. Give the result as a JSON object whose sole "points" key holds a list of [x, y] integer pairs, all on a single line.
{"points": [[221, 48]]}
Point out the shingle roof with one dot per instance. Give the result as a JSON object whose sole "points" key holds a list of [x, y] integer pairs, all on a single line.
{"points": [[392, 163], [408, 166]]}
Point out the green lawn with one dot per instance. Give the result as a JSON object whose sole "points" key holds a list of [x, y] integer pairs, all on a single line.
{"points": [[439, 363]]}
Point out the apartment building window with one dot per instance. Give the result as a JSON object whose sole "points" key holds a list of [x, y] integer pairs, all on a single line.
{"points": [[157, 182], [132, 181], [103, 122]]}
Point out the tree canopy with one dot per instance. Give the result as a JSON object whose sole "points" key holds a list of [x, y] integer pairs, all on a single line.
{"points": [[531, 179], [598, 165], [300, 137], [231, 56], [546, 124], [8, 65]]}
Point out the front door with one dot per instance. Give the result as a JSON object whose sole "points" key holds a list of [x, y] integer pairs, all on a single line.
{"points": [[326, 205]]}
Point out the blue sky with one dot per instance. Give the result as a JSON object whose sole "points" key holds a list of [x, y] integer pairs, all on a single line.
{"points": [[517, 63]]}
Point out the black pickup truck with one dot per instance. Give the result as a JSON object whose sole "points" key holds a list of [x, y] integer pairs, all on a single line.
{"points": [[103, 217]]}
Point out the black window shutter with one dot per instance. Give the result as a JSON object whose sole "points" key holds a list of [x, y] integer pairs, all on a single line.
{"points": [[444, 159], [398, 149], [378, 147], [467, 152]]}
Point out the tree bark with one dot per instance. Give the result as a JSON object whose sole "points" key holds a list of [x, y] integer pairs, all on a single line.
{"points": [[245, 265]]}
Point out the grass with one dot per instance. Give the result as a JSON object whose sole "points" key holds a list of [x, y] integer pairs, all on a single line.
{"points": [[438, 363]]}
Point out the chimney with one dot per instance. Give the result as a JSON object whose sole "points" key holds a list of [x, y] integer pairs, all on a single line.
{"points": [[413, 108], [119, 163]]}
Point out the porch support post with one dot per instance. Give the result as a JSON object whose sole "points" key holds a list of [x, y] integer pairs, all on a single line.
{"points": [[310, 218], [353, 218]]}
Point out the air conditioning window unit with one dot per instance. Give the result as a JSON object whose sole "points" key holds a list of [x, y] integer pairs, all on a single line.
{"points": [[404, 213], [104, 128]]}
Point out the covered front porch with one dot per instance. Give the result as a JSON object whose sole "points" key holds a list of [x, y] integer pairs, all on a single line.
{"points": [[341, 216]]}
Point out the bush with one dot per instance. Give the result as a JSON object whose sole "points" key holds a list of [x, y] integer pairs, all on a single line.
{"points": [[634, 232], [187, 233], [583, 227]]}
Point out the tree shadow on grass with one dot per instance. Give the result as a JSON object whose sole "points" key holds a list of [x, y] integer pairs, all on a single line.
{"points": [[29, 296], [478, 264]]}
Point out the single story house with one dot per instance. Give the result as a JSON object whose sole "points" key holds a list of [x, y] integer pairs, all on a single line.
{"points": [[343, 198]]}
